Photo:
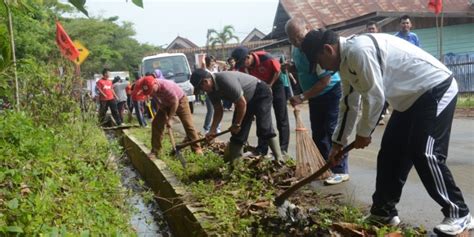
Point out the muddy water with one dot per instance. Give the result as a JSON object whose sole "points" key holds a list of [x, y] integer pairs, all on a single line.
{"points": [[147, 218]]}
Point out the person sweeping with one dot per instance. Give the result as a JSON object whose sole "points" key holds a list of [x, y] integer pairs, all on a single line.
{"points": [[250, 96], [171, 100]]}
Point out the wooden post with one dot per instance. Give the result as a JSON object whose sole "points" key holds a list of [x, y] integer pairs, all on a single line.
{"points": [[12, 43]]}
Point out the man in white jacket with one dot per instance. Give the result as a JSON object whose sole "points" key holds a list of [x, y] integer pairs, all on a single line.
{"points": [[423, 94]]}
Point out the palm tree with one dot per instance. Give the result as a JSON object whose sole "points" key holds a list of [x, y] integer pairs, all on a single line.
{"points": [[222, 38]]}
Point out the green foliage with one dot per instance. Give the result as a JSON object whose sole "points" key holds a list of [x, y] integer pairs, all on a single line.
{"points": [[223, 37], [465, 101], [53, 177]]}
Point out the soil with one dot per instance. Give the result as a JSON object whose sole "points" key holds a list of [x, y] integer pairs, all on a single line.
{"points": [[464, 113]]}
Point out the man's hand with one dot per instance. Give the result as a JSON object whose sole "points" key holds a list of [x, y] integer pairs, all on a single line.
{"points": [[235, 128], [332, 159], [362, 142], [295, 100], [210, 135]]}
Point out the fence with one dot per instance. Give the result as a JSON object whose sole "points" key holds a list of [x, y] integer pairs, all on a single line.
{"points": [[462, 66]]}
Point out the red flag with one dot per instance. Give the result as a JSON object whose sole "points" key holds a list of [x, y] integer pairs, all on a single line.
{"points": [[65, 43], [435, 5]]}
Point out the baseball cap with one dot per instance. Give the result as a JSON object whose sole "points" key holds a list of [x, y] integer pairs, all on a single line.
{"points": [[239, 54], [197, 77], [314, 42], [147, 84]]}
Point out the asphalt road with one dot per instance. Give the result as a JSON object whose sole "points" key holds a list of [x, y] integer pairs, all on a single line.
{"points": [[416, 207]]}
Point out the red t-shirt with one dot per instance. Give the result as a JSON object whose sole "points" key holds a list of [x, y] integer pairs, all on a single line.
{"points": [[137, 93], [264, 67], [106, 92], [128, 89]]}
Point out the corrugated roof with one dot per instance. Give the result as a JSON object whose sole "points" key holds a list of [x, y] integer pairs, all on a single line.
{"points": [[322, 13]]}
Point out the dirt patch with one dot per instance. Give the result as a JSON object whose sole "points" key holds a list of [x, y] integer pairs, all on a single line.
{"points": [[464, 113]]}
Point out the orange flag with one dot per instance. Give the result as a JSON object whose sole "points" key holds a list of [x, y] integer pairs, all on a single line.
{"points": [[65, 43], [435, 5]]}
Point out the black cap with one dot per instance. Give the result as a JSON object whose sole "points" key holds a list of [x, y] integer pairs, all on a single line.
{"points": [[239, 54], [314, 42], [197, 77]]}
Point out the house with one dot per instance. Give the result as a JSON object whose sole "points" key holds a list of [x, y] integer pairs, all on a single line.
{"points": [[181, 43], [349, 17], [254, 35]]}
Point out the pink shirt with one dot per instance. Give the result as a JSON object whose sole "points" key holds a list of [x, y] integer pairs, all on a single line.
{"points": [[168, 93]]}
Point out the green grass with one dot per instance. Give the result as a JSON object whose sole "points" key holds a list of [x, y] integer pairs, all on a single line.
{"points": [[55, 179], [237, 186], [465, 101]]}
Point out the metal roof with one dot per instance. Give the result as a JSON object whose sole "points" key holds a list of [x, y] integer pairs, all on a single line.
{"points": [[323, 13]]}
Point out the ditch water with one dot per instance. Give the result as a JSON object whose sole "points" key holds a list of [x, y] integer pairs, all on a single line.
{"points": [[147, 218]]}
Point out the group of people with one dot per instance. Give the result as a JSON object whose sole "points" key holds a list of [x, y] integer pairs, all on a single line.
{"points": [[337, 75]]}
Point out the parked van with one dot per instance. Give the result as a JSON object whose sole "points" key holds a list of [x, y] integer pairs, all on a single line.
{"points": [[174, 66]]}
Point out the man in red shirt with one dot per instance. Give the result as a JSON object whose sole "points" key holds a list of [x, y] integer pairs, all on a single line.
{"points": [[171, 100], [107, 98], [266, 68]]}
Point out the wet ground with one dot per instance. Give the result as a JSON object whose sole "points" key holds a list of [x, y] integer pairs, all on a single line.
{"points": [[416, 207], [147, 218]]}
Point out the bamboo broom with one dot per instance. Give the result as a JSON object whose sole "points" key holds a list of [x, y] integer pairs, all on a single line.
{"points": [[308, 157]]}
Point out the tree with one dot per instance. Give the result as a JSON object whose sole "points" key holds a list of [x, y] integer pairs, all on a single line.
{"points": [[222, 38]]}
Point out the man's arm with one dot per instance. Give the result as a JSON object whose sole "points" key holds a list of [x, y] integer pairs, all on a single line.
{"points": [[240, 110], [315, 90], [276, 76]]}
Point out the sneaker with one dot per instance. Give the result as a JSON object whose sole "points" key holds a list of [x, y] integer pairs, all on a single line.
{"points": [[382, 220], [336, 179], [454, 226]]}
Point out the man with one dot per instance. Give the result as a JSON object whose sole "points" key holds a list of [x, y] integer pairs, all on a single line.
{"points": [[266, 68], [107, 98], [371, 27], [120, 86], [423, 94], [405, 33], [171, 100], [250, 97], [323, 92]]}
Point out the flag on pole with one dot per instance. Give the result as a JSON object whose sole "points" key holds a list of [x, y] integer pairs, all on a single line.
{"points": [[65, 43], [435, 5]]}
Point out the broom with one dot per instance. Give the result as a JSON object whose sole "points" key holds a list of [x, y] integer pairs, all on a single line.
{"points": [[308, 157]]}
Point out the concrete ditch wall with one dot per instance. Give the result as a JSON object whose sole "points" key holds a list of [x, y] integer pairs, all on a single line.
{"points": [[183, 219]]}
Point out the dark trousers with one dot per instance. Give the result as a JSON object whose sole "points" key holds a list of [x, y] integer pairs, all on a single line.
{"points": [[260, 107], [281, 115], [323, 112], [418, 136], [104, 106]]}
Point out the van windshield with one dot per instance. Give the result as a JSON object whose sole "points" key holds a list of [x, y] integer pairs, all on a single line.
{"points": [[173, 67]]}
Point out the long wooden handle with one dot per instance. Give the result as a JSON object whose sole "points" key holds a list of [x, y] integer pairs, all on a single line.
{"points": [[287, 193], [179, 146]]}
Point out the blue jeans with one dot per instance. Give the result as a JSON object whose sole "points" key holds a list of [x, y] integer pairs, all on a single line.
{"points": [[138, 105], [209, 114], [323, 111]]}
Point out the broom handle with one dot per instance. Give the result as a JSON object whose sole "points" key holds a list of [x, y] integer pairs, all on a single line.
{"points": [[287, 193], [179, 146]]}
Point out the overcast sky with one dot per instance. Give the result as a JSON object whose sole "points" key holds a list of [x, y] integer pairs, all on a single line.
{"points": [[162, 20]]}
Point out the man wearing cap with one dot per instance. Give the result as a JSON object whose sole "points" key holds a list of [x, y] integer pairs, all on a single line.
{"points": [[423, 94], [266, 68], [322, 89], [251, 97], [171, 100]]}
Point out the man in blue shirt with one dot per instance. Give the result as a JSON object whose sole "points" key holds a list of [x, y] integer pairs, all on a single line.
{"points": [[322, 89], [405, 32]]}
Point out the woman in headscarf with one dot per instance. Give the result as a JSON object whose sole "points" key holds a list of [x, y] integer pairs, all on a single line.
{"points": [[159, 74]]}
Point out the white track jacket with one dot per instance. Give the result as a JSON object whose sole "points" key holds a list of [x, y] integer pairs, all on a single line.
{"points": [[403, 75]]}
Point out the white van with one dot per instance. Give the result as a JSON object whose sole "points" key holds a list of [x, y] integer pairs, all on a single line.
{"points": [[174, 66]]}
